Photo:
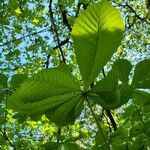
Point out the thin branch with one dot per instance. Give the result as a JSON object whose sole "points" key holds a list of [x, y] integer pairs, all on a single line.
{"points": [[23, 37], [48, 56], [98, 125], [62, 43], [103, 72], [47, 60], [110, 116], [133, 11], [64, 17], [59, 133], [7, 139], [56, 32], [79, 7]]}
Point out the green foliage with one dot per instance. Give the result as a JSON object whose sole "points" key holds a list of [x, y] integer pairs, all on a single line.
{"points": [[93, 98], [3, 80], [142, 79], [56, 146], [59, 93], [17, 79], [123, 68]]}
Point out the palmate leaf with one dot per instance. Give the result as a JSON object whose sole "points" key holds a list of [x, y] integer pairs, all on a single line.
{"points": [[141, 77], [96, 34], [48, 90]]}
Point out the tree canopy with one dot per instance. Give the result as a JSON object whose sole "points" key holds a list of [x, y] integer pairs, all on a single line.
{"points": [[74, 74]]}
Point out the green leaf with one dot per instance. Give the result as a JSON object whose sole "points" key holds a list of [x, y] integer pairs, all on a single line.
{"points": [[99, 142], [97, 33], [141, 97], [122, 146], [70, 110], [123, 67], [108, 90], [71, 146], [17, 79], [120, 135], [108, 83], [49, 90], [141, 77], [125, 93], [112, 95], [50, 145], [3, 80], [60, 146], [139, 143]]}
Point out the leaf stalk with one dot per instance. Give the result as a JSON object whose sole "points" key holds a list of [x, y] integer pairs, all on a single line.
{"points": [[97, 123]]}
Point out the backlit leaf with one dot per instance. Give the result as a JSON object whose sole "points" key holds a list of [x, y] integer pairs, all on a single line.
{"points": [[97, 33], [49, 90]]}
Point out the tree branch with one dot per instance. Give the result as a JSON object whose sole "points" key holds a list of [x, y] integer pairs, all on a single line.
{"points": [[56, 32], [64, 17], [61, 43], [132, 10], [110, 116]]}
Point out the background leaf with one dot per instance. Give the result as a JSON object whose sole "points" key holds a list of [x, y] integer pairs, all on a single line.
{"points": [[17, 79], [123, 68], [141, 78], [142, 99], [3, 80]]}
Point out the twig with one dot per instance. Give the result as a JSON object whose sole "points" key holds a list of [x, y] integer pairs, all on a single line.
{"points": [[59, 133], [47, 60], [23, 37], [110, 116], [56, 32], [64, 17], [62, 43], [132, 10], [79, 7], [7, 139], [48, 56]]}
